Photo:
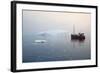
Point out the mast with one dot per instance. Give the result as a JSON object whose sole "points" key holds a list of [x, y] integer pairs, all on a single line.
{"points": [[73, 29]]}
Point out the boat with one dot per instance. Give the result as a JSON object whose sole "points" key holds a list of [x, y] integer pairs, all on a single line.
{"points": [[79, 36]]}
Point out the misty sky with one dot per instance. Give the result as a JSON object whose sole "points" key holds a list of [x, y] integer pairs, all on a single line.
{"points": [[38, 21]]}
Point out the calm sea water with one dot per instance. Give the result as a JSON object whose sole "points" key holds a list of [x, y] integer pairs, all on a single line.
{"points": [[58, 47]]}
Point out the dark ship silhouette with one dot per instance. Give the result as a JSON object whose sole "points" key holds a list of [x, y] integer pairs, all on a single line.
{"points": [[79, 36]]}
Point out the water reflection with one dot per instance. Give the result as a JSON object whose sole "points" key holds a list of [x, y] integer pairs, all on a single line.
{"points": [[53, 47], [76, 43]]}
